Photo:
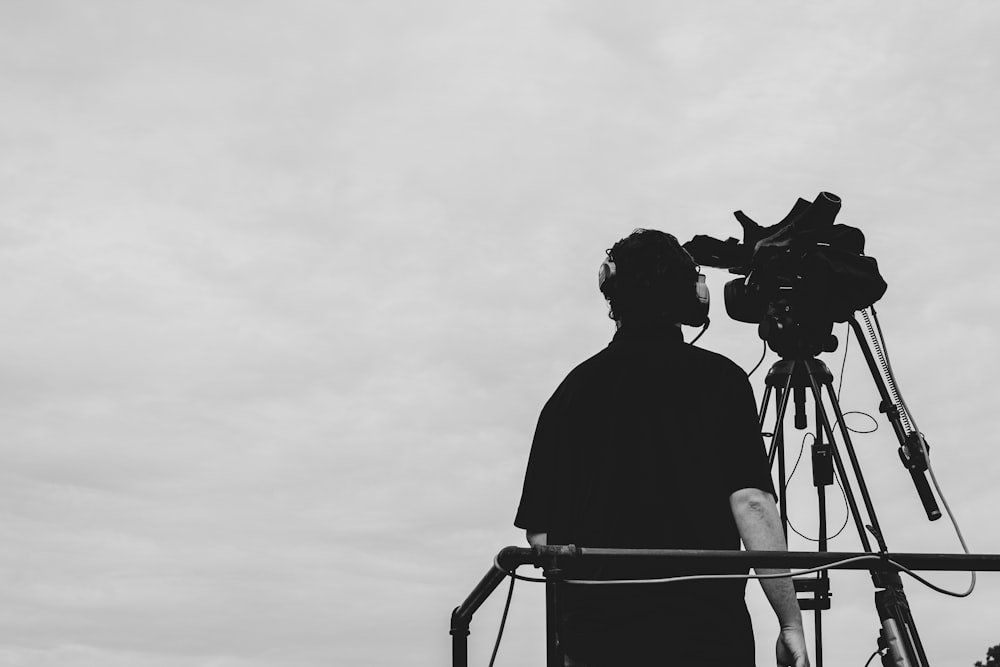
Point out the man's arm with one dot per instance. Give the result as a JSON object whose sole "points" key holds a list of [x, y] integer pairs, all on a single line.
{"points": [[759, 526], [537, 539]]}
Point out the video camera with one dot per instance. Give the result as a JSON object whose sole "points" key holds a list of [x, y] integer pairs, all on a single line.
{"points": [[801, 275]]}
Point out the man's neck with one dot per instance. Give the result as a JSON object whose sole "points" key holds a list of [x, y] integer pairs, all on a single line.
{"points": [[648, 331]]}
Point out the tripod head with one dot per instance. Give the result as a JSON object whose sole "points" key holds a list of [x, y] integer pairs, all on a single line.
{"points": [[791, 330]]}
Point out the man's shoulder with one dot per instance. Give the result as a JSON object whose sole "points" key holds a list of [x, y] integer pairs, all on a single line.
{"points": [[708, 359], [594, 369], [597, 364]]}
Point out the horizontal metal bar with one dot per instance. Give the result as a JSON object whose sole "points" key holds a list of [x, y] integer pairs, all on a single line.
{"points": [[708, 561]]}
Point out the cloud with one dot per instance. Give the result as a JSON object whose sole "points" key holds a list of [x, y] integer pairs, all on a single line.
{"points": [[287, 287]]}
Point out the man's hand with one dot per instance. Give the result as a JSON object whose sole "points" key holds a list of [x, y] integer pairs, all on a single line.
{"points": [[791, 648]]}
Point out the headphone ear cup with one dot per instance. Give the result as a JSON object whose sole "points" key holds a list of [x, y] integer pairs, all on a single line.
{"points": [[694, 309], [604, 274], [701, 291]]}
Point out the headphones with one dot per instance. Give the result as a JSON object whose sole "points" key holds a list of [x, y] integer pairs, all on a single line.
{"points": [[692, 302]]}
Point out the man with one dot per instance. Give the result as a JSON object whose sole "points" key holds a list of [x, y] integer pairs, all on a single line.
{"points": [[653, 443]]}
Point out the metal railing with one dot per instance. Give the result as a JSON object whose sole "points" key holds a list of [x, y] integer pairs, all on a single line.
{"points": [[552, 558]]}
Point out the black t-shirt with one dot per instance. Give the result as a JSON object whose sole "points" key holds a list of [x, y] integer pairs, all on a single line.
{"points": [[641, 447]]}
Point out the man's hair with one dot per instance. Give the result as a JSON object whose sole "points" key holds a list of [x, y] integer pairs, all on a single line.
{"points": [[654, 277]]}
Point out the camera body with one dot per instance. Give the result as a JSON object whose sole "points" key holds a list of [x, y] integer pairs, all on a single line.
{"points": [[800, 275]]}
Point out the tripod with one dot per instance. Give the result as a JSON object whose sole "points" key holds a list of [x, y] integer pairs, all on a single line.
{"points": [[794, 377]]}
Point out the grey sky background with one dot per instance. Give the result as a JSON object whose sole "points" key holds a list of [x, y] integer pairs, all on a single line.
{"points": [[286, 284]]}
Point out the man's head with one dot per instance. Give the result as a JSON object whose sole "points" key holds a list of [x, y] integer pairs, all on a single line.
{"points": [[650, 280]]}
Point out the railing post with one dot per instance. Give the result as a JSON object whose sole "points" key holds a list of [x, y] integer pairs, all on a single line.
{"points": [[554, 654], [459, 641], [461, 616]]}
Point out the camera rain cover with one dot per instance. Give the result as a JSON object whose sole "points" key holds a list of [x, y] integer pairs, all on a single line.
{"points": [[821, 263]]}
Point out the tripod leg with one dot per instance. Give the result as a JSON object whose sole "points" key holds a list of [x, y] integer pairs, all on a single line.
{"points": [[822, 476], [783, 395], [838, 461], [777, 448], [869, 507], [763, 405], [898, 628]]}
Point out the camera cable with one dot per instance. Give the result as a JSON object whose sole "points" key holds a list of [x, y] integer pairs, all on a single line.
{"points": [[878, 651], [503, 619], [701, 333], [840, 487], [762, 355]]}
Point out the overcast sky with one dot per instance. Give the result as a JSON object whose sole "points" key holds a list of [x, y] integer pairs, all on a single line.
{"points": [[285, 285]]}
